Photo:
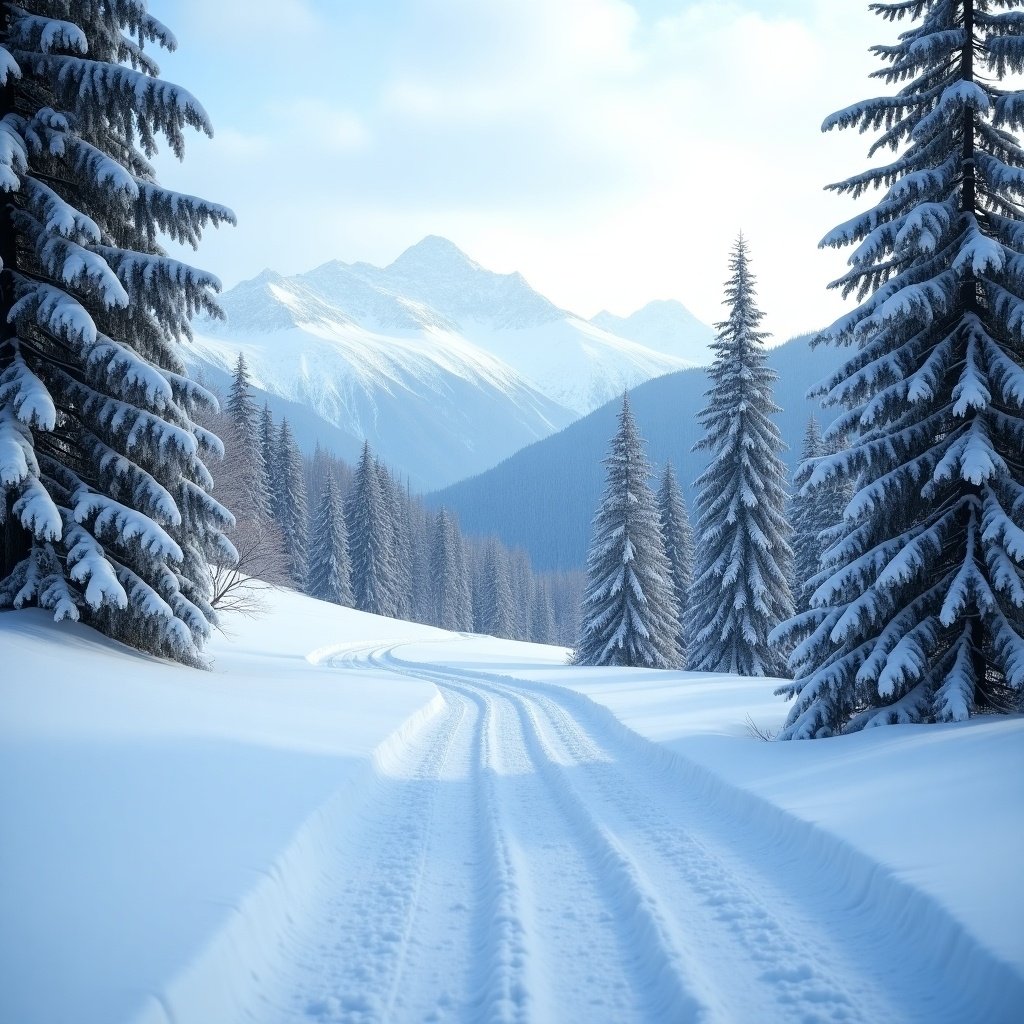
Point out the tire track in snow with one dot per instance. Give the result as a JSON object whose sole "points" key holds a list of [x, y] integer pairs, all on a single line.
{"points": [[751, 950], [646, 948], [422, 916]]}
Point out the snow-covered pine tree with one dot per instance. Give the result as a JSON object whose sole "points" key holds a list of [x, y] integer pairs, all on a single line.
{"points": [[542, 615], [922, 614], [289, 505], [400, 543], [498, 613], [452, 602], [330, 577], [267, 435], [463, 589], [258, 494], [630, 614], [421, 536], [805, 516], [240, 405], [521, 577], [675, 529], [105, 514], [369, 538], [740, 588]]}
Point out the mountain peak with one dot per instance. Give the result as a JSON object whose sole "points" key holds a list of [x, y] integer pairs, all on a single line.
{"points": [[665, 325], [265, 276], [432, 250]]}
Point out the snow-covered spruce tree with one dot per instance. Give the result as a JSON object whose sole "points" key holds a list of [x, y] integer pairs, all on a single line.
{"points": [[520, 571], [542, 615], [816, 515], [740, 588], [258, 496], [805, 516], [675, 529], [289, 502], [451, 597], [400, 542], [105, 514], [630, 614], [921, 615], [421, 537], [330, 577], [498, 613], [267, 435], [369, 538]]}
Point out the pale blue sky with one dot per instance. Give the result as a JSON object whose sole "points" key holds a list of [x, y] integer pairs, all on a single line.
{"points": [[609, 150]]}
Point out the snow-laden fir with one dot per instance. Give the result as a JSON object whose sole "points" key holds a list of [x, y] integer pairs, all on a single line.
{"points": [[805, 516], [630, 612], [740, 586], [105, 514], [330, 573], [374, 572], [244, 411], [289, 506], [675, 529], [920, 614], [451, 597]]}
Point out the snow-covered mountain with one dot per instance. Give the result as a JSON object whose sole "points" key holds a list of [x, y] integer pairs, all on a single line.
{"points": [[445, 366], [666, 326]]}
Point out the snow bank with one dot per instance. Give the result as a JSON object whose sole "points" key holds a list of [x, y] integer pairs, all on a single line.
{"points": [[161, 821]]}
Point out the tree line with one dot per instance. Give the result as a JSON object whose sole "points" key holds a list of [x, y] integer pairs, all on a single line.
{"points": [[357, 537]]}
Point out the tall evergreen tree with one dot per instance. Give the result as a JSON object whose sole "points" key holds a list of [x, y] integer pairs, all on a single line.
{"points": [[740, 589], [521, 578], [400, 542], [330, 577], [675, 528], [267, 436], [421, 536], [542, 615], [258, 493], [498, 616], [240, 405], [630, 614], [369, 538], [923, 615], [452, 603], [289, 508], [805, 515], [105, 514]]}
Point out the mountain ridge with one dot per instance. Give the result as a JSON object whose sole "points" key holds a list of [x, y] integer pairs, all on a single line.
{"points": [[445, 366]]}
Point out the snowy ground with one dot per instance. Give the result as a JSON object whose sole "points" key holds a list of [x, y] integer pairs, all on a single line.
{"points": [[354, 819]]}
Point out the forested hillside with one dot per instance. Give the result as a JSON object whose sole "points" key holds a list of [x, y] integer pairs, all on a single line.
{"points": [[543, 497]]}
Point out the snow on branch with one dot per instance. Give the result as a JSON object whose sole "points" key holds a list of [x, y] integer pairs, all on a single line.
{"points": [[13, 155], [35, 32], [114, 522]]}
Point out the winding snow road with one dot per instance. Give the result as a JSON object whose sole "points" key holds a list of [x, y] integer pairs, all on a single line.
{"points": [[530, 859]]}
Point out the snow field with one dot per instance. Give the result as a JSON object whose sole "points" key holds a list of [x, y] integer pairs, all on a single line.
{"points": [[153, 808], [814, 929], [354, 819]]}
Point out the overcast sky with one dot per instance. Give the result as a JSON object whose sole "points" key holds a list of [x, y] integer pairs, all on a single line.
{"points": [[608, 150]]}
